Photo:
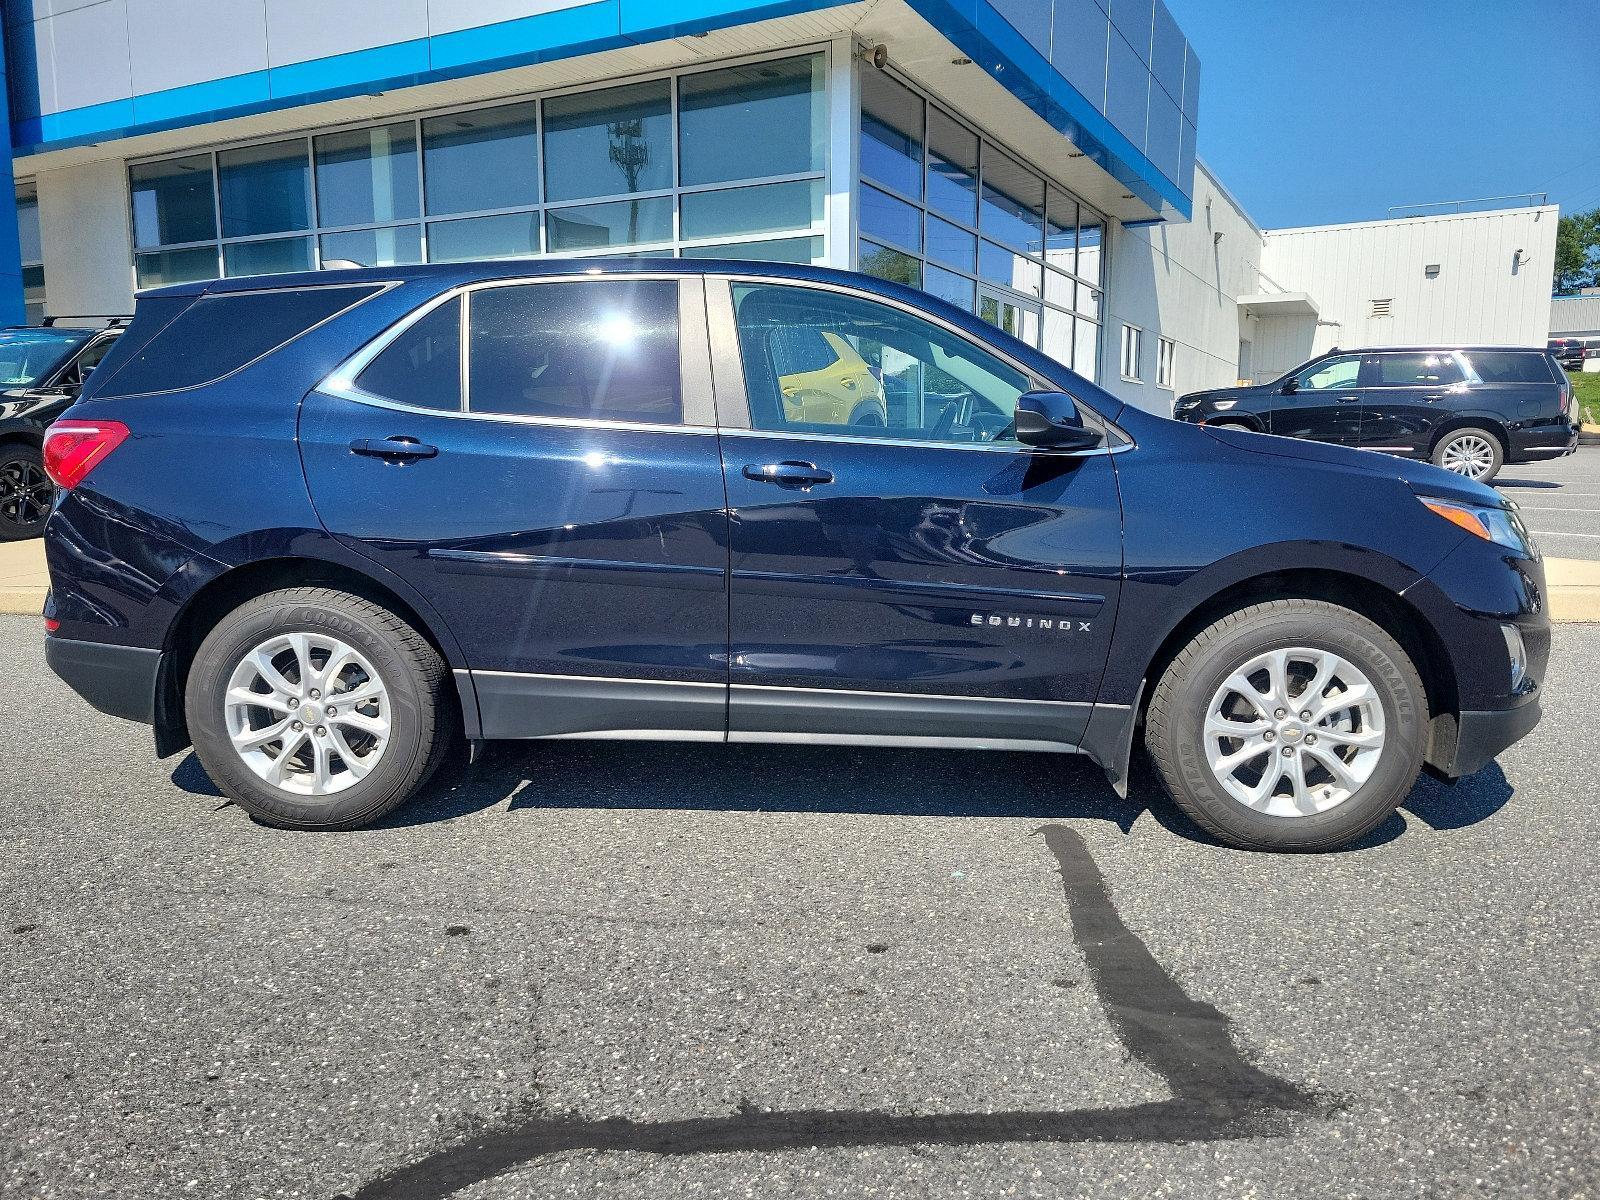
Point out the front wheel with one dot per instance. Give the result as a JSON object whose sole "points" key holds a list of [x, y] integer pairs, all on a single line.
{"points": [[1289, 725], [315, 709], [26, 493], [1474, 453]]}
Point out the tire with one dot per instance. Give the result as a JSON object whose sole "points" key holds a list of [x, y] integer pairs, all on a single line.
{"points": [[1473, 452], [1330, 812], [26, 492], [362, 778]]}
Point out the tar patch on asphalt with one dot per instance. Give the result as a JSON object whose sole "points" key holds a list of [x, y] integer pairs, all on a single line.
{"points": [[1216, 1092]]}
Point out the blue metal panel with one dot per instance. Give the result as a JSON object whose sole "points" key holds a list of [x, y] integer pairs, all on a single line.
{"points": [[527, 39], [1163, 135], [1078, 47], [1191, 85], [1167, 50], [12, 309], [1135, 20], [1031, 18], [1127, 89]]}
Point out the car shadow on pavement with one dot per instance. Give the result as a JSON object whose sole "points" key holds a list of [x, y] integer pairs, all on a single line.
{"points": [[1504, 481]]}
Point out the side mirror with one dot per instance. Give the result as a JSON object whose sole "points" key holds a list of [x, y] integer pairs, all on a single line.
{"points": [[1290, 386], [1051, 421]]}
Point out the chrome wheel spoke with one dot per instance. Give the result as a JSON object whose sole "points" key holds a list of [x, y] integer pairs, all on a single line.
{"points": [[282, 727], [1307, 743]]}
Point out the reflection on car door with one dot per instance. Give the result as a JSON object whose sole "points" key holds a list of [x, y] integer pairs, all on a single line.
{"points": [[1324, 403], [564, 512], [928, 579], [1406, 395]]}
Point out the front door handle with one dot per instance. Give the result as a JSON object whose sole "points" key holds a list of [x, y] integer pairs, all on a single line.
{"points": [[395, 449], [1347, 399], [788, 474]]}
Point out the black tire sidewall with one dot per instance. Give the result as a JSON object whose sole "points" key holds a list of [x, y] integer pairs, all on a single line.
{"points": [[403, 760], [1405, 715], [9, 531]]}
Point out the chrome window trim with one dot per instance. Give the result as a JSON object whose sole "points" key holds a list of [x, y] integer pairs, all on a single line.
{"points": [[340, 383], [720, 313]]}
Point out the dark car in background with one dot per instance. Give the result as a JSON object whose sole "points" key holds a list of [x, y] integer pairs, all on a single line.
{"points": [[1467, 409], [323, 526], [1568, 352], [42, 369]]}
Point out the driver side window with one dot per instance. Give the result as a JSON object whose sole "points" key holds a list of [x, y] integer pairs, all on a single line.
{"points": [[822, 362], [1334, 373]]}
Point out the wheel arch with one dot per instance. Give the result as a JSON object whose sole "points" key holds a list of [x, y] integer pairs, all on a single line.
{"points": [[1483, 421], [214, 599], [1249, 421]]}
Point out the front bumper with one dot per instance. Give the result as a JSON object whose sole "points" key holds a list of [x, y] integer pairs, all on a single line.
{"points": [[117, 680], [1480, 736]]}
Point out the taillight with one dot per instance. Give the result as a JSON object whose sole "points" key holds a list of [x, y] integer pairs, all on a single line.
{"points": [[74, 448]]}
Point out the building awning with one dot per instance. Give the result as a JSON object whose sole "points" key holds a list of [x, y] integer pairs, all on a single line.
{"points": [[1279, 304]]}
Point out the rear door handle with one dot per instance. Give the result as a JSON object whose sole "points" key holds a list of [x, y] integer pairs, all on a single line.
{"points": [[788, 474], [395, 449]]}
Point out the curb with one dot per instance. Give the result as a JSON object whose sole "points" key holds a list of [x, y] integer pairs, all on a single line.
{"points": [[1569, 603]]}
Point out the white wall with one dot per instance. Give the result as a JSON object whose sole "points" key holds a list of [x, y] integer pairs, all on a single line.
{"points": [[1180, 281], [1484, 292], [83, 229]]}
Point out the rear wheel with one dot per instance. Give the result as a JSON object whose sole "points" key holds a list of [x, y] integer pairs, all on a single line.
{"points": [[1289, 725], [26, 493], [316, 709], [1474, 453]]}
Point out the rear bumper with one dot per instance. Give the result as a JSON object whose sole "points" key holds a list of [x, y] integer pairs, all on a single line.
{"points": [[1550, 449], [1480, 736], [118, 680]]}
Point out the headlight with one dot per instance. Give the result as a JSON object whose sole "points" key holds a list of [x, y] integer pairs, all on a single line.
{"points": [[1490, 522], [1223, 405]]}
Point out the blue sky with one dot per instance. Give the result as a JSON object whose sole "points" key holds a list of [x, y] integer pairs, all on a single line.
{"points": [[1313, 113]]}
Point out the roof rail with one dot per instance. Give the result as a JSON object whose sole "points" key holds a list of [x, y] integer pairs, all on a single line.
{"points": [[112, 320]]}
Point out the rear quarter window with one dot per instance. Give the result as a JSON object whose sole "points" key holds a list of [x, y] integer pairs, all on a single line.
{"points": [[216, 335], [1503, 367]]}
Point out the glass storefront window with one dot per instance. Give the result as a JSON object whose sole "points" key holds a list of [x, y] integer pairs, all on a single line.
{"points": [[770, 208], [160, 267], [473, 161], [595, 226], [368, 176], [891, 134], [1013, 203], [1061, 231], [273, 256], [884, 263], [265, 189], [1090, 233], [951, 245], [801, 250], [512, 236], [751, 122], [947, 285], [890, 220], [609, 143], [952, 168], [32, 257], [173, 201], [390, 247], [1010, 269]]}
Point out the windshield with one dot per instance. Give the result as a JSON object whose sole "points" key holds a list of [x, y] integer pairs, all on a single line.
{"points": [[27, 356]]}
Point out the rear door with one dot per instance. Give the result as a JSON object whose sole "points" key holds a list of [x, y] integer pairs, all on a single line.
{"points": [[538, 459], [923, 578], [1407, 394], [1324, 403]]}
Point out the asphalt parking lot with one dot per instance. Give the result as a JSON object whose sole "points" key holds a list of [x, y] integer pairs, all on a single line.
{"points": [[1560, 502], [675, 970]]}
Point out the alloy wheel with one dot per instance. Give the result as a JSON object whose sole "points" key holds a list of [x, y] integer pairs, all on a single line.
{"points": [[1470, 455], [1294, 732], [307, 713], [25, 493]]}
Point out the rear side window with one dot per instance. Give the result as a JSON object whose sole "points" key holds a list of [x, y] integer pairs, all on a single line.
{"points": [[1416, 370], [1502, 367], [216, 335], [421, 367], [606, 349]]}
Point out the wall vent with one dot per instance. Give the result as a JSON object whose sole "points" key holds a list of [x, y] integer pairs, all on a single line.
{"points": [[1431, 270], [1381, 308]]}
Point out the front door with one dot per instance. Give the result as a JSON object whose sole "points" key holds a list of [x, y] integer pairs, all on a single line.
{"points": [[1322, 402], [550, 483], [927, 578]]}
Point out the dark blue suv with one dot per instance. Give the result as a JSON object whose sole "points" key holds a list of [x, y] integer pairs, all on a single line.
{"points": [[323, 526]]}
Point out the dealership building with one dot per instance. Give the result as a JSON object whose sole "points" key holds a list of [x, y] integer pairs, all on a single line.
{"points": [[1030, 160]]}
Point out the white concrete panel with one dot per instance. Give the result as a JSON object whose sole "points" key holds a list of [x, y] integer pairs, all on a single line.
{"points": [[89, 55], [448, 16], [301, 30], [177, 42], [83, 226]]}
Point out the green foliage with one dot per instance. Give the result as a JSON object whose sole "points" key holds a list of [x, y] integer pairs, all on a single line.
{"points": [[1578, 251], [1587, 390]]}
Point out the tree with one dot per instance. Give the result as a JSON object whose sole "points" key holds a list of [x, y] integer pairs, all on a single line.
{"points": [[1578, 251]]}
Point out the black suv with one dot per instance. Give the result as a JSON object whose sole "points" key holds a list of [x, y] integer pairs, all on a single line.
{"points": [[1468, 409], [1568, 352], [42, 369]]}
